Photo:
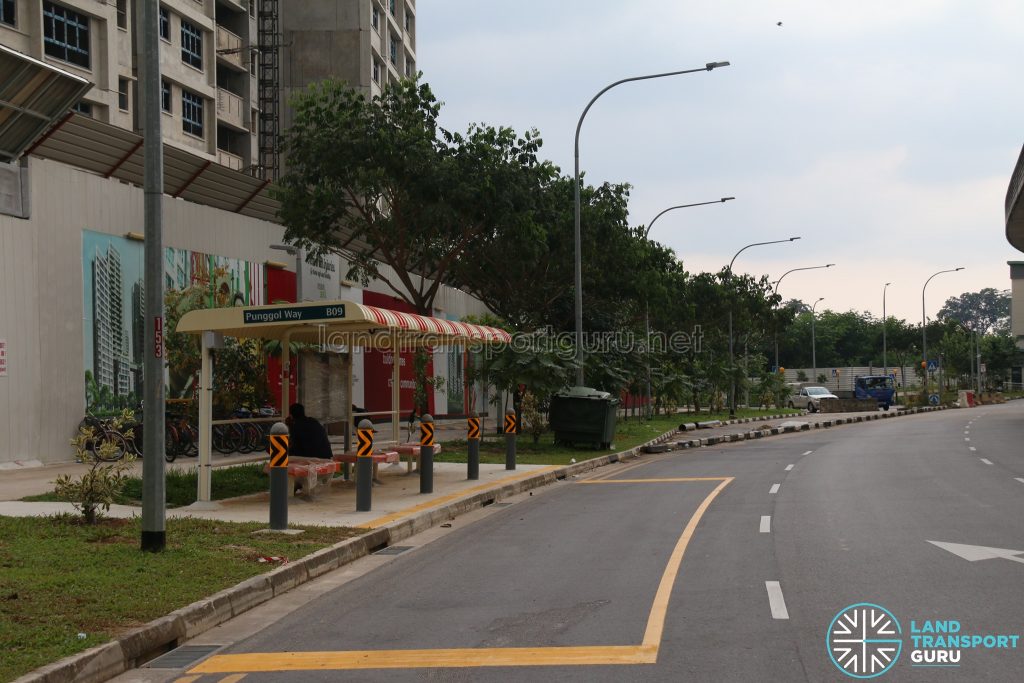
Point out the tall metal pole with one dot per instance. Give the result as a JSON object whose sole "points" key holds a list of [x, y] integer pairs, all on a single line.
{"points": [[732, 357], [154, 532], [924, 327], [776, 291], [885, 324], [576, 192], [647, 308], [814, 346]]}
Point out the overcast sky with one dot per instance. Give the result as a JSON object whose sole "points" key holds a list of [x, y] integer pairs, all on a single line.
{"points": [[882, 133]]}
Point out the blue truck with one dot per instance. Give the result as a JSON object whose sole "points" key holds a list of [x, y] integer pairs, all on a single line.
{"points": [[881, 388]]}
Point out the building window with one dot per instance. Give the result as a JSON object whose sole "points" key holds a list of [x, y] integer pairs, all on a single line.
{"points": [[191, 45], [122, 94], [376, 71], [254, 120], [391, 7], [165, 96], [7, 12], [83, 107], [165, 24], [408, 20], [394, 50], [252, 8], [410, 68], [375, 17], [122, 14], [191, 113], [66, 34]]}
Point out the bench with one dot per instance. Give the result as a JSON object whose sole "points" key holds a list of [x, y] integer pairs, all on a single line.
{"points": [[412, 451], [310, 473], [377, 457]]}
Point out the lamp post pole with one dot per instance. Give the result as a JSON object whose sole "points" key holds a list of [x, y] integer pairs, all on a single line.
{"points": [[885, 324], [576, 223], [732, 356], [924, 328], [776, 291], [298, 254], [814, 347], [647, 311]]}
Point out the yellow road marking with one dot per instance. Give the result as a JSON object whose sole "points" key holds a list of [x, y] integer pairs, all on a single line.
{"points": [[645, 653], [659, 610], [233, 678], [423, 659], [663, 480], [386, 519], [187, 679]]}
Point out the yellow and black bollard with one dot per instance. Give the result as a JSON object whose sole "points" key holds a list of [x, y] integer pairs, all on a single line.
{"points": [[364, 466], [510, 439], [278, 447], [473, 439], [426, 454]]}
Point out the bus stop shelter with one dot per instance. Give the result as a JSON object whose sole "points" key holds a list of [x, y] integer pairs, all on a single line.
{"points": [[330, 326]]}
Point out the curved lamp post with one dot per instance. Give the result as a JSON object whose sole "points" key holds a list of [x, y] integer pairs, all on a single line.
{"points": [[576, 226], [732, 359], [814, 355], [885, 324], [647, 316], [776, 291], [924, 327]]}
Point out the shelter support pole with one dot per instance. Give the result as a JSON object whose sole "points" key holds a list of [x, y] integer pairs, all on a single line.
{"points": [[396, 396], [348, 395], [286, 373], [203, 495]]}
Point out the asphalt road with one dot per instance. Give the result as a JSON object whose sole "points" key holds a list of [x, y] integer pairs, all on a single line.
{"points": [[718, 564]]}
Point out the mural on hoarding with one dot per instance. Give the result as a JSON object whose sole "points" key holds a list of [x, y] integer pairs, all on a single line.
{"points": [[114, 310]]}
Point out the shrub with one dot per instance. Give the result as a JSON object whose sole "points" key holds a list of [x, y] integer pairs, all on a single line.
{"points": [[102, 483]]}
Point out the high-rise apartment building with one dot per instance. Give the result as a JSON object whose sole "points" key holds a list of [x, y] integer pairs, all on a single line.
{"points": [[227, 66]]}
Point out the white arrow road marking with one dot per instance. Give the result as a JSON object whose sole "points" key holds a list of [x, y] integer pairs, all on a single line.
{"points": [[789, 467], [774, 488], [1020, 480], [974, 553], [776, 601], [966, 439], [987, 462], [766, 524], [972, 448], [808, 452]]}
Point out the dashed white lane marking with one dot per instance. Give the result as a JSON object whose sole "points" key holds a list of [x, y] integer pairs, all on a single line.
{"points": [[776, 601], [967, 439], [1020, 480], [766, 524], [774, 488], [972, 448], [789, 467], [987, 462], [808, 452]]}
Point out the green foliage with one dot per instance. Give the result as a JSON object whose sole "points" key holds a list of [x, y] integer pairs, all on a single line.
{"points": [[96, 489], [985, 311], [535, 425], [181, 485]]}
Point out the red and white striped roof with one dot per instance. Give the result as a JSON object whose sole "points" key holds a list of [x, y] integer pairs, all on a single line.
{"points": [[439, 326]]}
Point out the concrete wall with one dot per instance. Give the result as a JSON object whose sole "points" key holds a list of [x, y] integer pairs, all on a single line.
{"points": [[1017, 302]]}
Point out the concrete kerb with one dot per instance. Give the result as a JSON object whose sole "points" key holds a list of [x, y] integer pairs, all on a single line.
{"points": [[140, 645]]}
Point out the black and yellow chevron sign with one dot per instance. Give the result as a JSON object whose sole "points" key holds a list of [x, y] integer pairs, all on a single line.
{"points": [[279, 450], [473, 427], [426, 433], [510, 423], [364, 438]]}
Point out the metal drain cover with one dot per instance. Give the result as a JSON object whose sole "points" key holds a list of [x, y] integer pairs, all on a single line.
{"points": [[182, 657], [394, 550]]}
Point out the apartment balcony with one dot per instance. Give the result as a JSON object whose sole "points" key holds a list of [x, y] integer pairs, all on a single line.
{"points": [[232, 161], [230, 50], [231, 109]]}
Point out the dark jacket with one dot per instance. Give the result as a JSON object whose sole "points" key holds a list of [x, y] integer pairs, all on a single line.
{"points": [[307, 438]]}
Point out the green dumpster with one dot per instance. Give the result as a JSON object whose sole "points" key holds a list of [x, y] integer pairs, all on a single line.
{"points": [[583, 415]]}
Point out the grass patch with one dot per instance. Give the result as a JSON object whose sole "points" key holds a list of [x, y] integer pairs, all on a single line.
{"points": [[60, 578], [182, 485], [628, 434]]}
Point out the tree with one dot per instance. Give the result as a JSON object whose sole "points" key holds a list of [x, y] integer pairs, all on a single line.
{"points": [[985, 311]]}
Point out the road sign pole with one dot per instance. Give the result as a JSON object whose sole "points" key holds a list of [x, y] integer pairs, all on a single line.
{"points": [[364, 466], [473, 439], [510, 439], [426, 454], [279, 477]]}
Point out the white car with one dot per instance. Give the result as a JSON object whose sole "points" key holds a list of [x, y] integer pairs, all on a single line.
{"points": [[811, 398]]}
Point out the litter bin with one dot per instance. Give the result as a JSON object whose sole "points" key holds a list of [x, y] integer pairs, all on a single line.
{"points": [[583, 415]]}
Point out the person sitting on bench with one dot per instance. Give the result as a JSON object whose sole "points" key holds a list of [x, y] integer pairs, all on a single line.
{"points": [[307, 438]]}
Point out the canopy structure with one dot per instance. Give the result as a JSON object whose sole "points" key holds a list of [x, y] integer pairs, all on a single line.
{"points": [[334, 326]]}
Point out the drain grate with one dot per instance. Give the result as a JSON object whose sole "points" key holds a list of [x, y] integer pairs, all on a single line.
{"points": [[394, 550], [182, 657]]}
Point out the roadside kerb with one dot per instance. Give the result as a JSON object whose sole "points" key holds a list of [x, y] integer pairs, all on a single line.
{"points": [[164, 634]]}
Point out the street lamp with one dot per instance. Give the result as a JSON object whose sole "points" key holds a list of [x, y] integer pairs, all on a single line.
{"points": [[924, 327], [576, 226], [885, 324], [814, 354], [776, 291], [647, 316], [732, 358], [297, 253]]}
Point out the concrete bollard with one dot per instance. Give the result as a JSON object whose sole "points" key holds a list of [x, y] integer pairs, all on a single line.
{"points": [[473, 439], [426, 454], [278, 448], [510, 439], [364, 466]]}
